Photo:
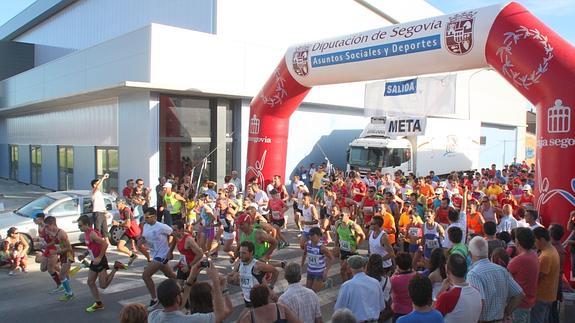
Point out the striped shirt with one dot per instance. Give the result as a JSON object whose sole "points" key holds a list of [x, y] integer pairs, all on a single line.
{"points": [[496, 286], [302, 301], [315, 259]]}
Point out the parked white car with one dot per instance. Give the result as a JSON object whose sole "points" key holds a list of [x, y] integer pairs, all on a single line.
{"points": [[66, 206]]}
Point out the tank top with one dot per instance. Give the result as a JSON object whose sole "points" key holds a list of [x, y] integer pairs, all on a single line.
{"points": [[93, 247], [188, 254], [489, 214], [329, 202], [431, 239], [172, 204], [260, 248], [376, 247], [248, 279], [226, 223], [47, 238], [315, 259], [308, 217], [473, 224], [70, 254], [346, 237], [368, 208], [442, 215], [278, 316]]}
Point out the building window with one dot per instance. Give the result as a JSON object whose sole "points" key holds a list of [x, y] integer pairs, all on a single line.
{"points": [[107, 163], [185, 135], [65, 168], [36, 165], [14, 157]]}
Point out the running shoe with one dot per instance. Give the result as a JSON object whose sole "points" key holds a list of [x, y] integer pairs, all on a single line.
{"points": [[120, 266], [94, 308], [66, 297], [281, 245], [11, 273], [133, 257], [153, 305], [75, 270], [58, 289]]}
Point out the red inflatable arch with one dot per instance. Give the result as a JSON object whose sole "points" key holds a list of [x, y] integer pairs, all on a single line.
{"points": [[529, 55]]}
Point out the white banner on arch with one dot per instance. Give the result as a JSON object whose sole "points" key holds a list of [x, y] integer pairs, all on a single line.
{"points": [[422, 96]]}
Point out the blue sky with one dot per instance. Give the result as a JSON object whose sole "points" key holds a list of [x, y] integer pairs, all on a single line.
{"points": [[558, 14]]}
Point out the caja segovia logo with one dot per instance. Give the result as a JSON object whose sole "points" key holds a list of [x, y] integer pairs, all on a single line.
{"points": [[300, 58], [459, 33]]}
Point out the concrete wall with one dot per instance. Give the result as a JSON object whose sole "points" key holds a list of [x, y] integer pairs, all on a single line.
{"points": [[50, 166], [24, 163], [84, 166]]}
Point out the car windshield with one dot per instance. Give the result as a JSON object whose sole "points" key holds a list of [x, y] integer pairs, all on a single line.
{"points": [[31, 209], [377, 157]]}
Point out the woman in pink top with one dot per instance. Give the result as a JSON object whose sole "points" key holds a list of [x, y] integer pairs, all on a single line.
{"points": [[400, 300]]}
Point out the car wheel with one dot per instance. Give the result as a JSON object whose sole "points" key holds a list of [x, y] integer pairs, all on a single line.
{"points": [[116, 233], [30, 243]]}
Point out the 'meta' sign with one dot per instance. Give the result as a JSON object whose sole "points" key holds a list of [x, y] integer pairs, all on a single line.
{"points": [[405, 126], [400, 88]]}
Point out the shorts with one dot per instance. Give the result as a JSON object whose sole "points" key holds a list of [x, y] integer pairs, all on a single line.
{"points": [[323, 213], [177, 218], [103, 265], [413, 247], [343, 255], [296, 207], [315, 276], [229, 235], [161, 260], [127, 239], [280, 223], [182, 275], [209, 232], [64, 259]]}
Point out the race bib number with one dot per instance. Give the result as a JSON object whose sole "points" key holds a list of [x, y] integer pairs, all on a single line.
{"points": [[276, 215], [245, 282], [432, 244], [345, 245], [303, 176], [368, 209], [415, 232], [313, 260]]}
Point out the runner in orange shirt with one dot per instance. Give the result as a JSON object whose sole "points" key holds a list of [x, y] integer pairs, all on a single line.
{"points": [[475, 220]]}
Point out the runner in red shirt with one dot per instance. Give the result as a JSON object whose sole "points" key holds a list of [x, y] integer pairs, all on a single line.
{"points": [[367, 207], [189, 249], [278, 208]]}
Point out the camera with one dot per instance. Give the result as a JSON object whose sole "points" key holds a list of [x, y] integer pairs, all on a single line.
{"points": [[205, 264]]}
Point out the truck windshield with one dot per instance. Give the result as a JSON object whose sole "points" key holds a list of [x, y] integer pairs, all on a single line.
{"points": [[378, 157]]}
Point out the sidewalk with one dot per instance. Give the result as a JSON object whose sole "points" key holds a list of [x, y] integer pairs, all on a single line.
{"points": [[14, 194]]}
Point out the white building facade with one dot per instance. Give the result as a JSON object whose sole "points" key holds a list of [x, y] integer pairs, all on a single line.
{"points": [[141, 88]]}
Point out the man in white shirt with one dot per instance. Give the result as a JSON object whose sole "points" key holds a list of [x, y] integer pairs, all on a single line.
{"points": [[159, 239], [99, 207], [457, 301], [261, 199], [507, 222], [236, 181]]}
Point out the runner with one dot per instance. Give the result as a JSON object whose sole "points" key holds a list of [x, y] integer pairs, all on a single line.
{"points": [[433, 234], [367, 207], [278, 208], [97, 247], [190, 251], [208, 221], [296, 184], [264, 244], [174, 205], [348, 235], [226, 210], [379, 243], [48, 260], [310, 218], [132, 230], [158, 237], [251, 271], [65, 255], [315, 253]]}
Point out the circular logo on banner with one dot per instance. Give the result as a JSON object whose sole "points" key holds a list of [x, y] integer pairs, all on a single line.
{"points": [[299, 60], [459, 33], [505, 53]]}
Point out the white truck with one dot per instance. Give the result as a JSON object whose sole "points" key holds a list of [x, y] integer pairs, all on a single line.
{"points": [[439, 144]]}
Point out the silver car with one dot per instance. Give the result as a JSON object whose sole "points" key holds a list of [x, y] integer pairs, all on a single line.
{"points": [[65, 206]]}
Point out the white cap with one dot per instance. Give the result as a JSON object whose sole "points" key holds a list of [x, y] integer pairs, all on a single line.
{"points": [[526, 187], [438, 191], [168, 185]]}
